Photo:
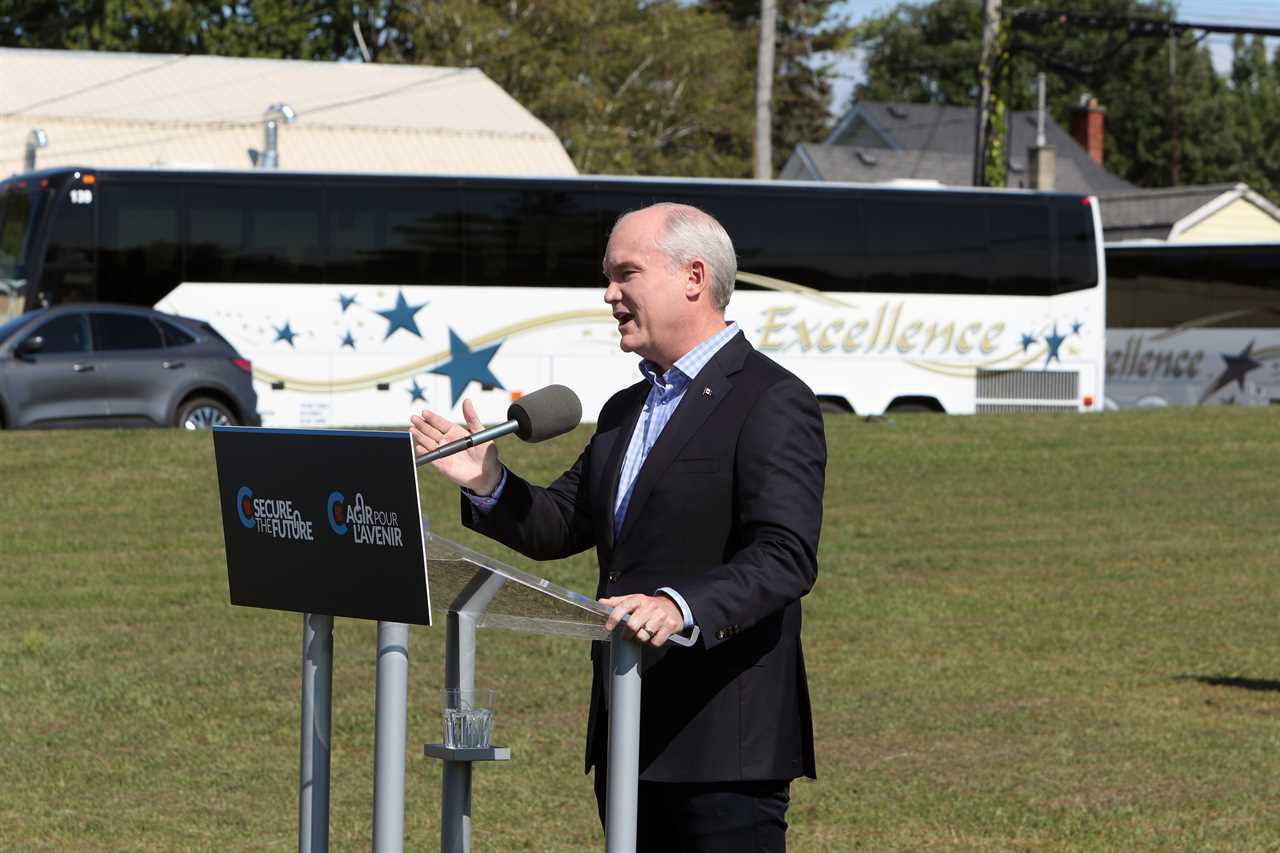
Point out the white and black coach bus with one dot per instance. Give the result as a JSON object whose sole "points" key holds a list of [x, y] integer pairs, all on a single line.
{"points": [[362, 297], [1193, 324]]}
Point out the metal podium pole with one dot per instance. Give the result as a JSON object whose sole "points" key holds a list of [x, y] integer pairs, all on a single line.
{"points": [[455, 782], [460, 671], [317, 706], [389, 736], [623, 784]]}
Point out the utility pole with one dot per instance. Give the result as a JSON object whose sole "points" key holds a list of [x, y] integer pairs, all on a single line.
{"points": [[986, 62], [764, 90], [1175, 130]]}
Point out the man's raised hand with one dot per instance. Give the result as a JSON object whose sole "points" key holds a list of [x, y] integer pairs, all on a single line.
{"points": [[476, 468]]}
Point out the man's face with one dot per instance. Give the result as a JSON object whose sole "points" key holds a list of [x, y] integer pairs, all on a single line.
{"points": [[647, 297]]}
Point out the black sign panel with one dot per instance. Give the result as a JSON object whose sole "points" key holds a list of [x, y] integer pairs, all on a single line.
{"points": [[323, 521]]}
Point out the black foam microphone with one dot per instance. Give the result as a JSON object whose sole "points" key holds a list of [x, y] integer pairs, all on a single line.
{"points": [[537, 416]]}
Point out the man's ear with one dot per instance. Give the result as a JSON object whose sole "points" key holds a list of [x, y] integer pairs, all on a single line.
{"points": [[697, 279]]}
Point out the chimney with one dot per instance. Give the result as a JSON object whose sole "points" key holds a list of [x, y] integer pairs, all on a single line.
{"points": [[1086, 126]]}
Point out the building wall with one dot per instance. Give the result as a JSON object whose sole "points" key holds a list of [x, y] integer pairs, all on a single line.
{"points": [[1241, 221]]}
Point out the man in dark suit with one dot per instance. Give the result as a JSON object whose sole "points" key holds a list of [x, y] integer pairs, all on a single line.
{"points": [[701, 491]]}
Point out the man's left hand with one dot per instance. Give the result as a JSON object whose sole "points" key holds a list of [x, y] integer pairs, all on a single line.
{"points": [[651, 619]]}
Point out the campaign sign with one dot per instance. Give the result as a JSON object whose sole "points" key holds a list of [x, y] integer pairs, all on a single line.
{"points": [[323, 521]]}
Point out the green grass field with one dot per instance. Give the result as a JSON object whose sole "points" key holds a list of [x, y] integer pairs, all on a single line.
{"points": [[1028, 633]]}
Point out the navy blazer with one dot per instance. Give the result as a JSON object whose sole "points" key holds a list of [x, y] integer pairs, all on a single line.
{"points": [[726, 510]]}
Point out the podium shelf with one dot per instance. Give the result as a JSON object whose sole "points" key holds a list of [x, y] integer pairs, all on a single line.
{"points": [[445, 753]]}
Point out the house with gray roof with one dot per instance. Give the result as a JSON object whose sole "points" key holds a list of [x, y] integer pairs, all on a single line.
{"points": [[882, 142], [876, 142]]}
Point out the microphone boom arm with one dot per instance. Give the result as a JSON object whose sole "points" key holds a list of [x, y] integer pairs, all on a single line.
{"points": [[466, 443]]}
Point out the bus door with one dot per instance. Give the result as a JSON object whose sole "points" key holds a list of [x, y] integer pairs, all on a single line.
{"points": [[69, 272]]}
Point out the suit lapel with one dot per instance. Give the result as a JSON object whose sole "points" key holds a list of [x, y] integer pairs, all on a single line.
{"points": [[614, 452], [704, 394]]}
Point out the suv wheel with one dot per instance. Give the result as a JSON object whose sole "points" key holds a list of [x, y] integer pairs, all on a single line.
{"points": [[203, 413]]}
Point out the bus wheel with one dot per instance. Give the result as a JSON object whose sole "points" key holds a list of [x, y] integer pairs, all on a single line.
{"points": [[833, 406], [204, 413], [913, 405]]}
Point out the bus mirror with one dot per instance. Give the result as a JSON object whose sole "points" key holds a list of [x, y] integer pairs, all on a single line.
{"points": [[30, 346]]}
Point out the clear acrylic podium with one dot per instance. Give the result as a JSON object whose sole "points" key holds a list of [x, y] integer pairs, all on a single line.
{"points": [[476, 591]]}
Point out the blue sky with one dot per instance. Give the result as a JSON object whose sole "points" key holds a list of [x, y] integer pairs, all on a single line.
{"points": [[1264, 13]]}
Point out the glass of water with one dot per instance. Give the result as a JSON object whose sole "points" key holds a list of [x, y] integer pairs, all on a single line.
{"points": [[468, 717]]}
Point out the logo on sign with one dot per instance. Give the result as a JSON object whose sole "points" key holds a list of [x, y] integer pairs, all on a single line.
{"points": [[244, 507], [336, 512], [366, 524], [272, 517]]}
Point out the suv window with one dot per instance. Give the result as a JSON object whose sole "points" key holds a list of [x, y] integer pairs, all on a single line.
{"points": [[173, 336], [124, 331], [67, 333]]}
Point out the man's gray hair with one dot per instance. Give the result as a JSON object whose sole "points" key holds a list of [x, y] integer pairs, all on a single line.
{"points": [[688, 234]]}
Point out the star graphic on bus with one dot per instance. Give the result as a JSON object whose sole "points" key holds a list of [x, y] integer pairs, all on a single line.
{"points": [[1237, 367], [346, 301], [284, 333], [1053, 342], [401, 316], [466, 365], [348, 341], [1076, 327], [416, 392], [1027, 341]]}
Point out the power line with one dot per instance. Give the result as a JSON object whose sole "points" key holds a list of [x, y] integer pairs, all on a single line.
{"points": [[100, 84], [1038, 19]]}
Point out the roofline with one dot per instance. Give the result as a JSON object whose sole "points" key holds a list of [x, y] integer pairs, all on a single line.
{"points": [[812, 186], [1140, 194], [1239, 191], [847, 119], [808, 162]]}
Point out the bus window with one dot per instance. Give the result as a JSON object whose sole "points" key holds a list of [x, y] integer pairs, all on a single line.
{"points": [[139, 260], [813, 242], [68, 273], [1244, 290], [20, 208], [810, 240], [253, 234], [1077, 266], [1170, 285], [529, 237], [1154, 300], [1021, 251], [926, 245], [381, 236]]}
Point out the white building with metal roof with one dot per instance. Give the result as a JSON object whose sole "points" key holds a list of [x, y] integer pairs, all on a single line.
{"points": [[127, 109]]}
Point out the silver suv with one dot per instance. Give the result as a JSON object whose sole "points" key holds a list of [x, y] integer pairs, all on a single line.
{"points": [[116, 365]]}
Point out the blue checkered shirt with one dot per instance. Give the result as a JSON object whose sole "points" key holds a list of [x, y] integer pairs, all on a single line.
{"points": [[665, 395]]}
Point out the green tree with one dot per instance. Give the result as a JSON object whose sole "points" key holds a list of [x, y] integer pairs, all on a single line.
{"points": [[284, 29], [630, 88], [1160, 129], [922, 54], [1254, 106]]}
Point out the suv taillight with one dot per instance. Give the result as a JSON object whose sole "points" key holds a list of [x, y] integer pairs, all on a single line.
{"points": [[244, 364]]}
